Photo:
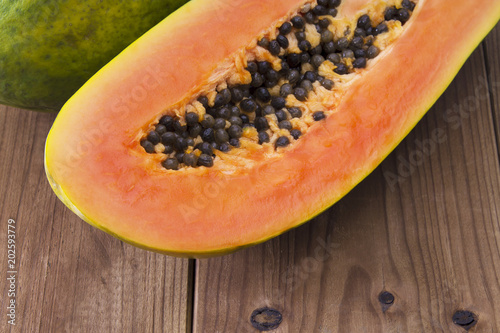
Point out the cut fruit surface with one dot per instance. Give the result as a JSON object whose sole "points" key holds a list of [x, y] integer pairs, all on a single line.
{"points": [[275, 90], [228, 124]]}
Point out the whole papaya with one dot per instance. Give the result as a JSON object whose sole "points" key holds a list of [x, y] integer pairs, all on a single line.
{"points": [[50, 48]]}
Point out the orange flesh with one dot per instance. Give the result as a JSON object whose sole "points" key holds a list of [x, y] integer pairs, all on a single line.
{"points": [[108, 182]]}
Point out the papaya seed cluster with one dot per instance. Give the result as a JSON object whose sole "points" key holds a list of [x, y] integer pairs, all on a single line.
{"points": [[267, 110]]}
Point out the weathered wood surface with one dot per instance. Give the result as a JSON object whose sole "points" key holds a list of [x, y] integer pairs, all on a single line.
{"points": [[72, 277], [424, 227], [491, 46]]}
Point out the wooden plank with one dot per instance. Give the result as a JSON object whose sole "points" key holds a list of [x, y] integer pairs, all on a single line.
{"points": [[492, 51], [71, 276], [431, 238]]}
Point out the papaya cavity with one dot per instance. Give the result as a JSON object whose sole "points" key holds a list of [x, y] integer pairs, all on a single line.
{"points": [[291, 77]]}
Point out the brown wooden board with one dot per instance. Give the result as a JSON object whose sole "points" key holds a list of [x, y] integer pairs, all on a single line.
{"points": [[423, 227], [492, 51], [70, 276]]}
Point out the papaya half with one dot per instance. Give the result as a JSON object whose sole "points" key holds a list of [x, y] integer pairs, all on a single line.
{"points": [[231, 122], [50, 48]]}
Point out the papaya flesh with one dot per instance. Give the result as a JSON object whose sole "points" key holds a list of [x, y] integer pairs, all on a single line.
{"points": [[106, 154], [50, 48]]}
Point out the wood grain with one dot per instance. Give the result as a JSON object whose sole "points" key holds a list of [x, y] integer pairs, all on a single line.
{"points": [[491, 47], [71, 276], [431, 238]]}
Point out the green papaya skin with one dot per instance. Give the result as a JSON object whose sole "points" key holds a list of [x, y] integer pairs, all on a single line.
{"points": [[50, 48]]}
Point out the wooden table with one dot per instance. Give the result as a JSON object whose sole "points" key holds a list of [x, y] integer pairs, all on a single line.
{"points": [[414, 243]]}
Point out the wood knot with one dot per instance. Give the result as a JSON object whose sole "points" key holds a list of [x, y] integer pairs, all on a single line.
{"points": [[266, 319], [464, 319], [386, 299]]}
